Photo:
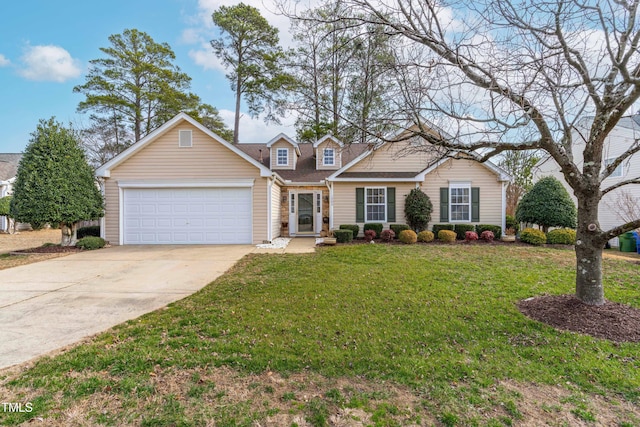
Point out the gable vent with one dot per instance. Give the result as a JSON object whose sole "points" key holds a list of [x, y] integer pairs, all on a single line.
{"points": [[185, 138]]}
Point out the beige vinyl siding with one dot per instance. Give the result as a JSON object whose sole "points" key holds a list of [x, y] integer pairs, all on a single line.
{"points": [[466, 171], [276, 212], [344, 201], [320, 155], [162, 159], [291, 165], [394, 157]]}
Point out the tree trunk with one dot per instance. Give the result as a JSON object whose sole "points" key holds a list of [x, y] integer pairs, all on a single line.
{"points": [[69, 234], [236, 123], [589, 244]]}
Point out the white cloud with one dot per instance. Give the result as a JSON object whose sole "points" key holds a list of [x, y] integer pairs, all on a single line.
{"points": [[206, 58], [49, 63], [4, 61], [256, 130]]}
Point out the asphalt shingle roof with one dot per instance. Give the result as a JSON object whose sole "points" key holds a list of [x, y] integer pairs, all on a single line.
{"points": [[9, 165]]}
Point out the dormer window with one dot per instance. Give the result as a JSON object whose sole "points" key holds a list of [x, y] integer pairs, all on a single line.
{"points": [[282, 157], [329, 157]]}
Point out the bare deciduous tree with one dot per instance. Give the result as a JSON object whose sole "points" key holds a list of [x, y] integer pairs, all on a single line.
{"points": [[521, 75]]}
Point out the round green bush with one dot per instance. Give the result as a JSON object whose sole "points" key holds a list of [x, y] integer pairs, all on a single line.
{"points": [[547, 204], [562, 236], [91, 242], [343, 235], [353, 227], [408, 236], [425, 236], [447, 236], [533, 236]]}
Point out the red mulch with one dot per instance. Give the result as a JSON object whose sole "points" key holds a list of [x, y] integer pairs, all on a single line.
{"points": [[611, 321], [52, 249]]}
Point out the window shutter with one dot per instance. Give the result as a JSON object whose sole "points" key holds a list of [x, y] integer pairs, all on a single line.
{"points": [[391, 204], [475, 204], [444, 204], [359, 204]]}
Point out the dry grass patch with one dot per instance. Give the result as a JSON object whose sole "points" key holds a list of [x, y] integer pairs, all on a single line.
{"points": [[28, 239]]}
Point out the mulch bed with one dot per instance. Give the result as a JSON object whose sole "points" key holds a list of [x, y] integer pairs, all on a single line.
{"points": [[611, 321], [53, 249]]}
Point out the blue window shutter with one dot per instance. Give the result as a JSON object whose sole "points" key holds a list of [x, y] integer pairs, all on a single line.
{"points": [[444, 204], [475, 204], [359, 204], [391, 204]]}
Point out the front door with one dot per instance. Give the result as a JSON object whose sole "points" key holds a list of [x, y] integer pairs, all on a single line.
{"points": [[305, 213]]}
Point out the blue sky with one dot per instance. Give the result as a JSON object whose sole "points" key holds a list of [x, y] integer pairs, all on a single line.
{"points": [[46, 46]]}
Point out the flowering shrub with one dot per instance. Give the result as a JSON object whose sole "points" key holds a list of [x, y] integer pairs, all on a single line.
{"points": [[447, 236], [369, 235], [387, 235], [408, 236], [425, 236], [470, 236], [487, 235]]}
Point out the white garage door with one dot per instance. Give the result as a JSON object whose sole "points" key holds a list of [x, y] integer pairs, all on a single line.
{"points": [[187, 216]]}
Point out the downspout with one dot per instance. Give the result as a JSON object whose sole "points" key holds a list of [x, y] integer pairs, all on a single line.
{"points": [[504, 206], [101, 185], [270, 181]]}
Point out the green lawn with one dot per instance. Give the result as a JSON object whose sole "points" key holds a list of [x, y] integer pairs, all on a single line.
{"points": [[375, 334]]}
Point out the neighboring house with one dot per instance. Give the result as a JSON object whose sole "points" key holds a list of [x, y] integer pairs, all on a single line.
{"points": [[8, 169], [611, 211], [184, 184]]}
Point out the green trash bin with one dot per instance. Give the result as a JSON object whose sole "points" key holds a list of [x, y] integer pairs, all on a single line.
{"points": [[627, 242]]}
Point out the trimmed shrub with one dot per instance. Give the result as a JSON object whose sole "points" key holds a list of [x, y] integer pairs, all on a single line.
{"points": [[533, 236], [495, 229], [343, 236], [5, 205], [355, 228], [93, 230], [461, 230], [417, 210], [487, 236], [511, 222], [547, 204], [470, 236], [387, 235], [426, 236], [447, 236], [408, 236], [375, 226], [398, 228], [90, 243], [369, 235], [438, 227], [562, 236]]}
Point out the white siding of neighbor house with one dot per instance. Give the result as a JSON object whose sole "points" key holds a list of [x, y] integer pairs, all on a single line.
{"points": [[344, 201], [293, 157], [458, 170], [276, 212], [395, 157], [618, 141], [320, 155], [162, 159]]}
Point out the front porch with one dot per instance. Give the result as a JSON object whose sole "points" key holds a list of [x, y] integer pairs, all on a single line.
{"points": [[305, 211]]}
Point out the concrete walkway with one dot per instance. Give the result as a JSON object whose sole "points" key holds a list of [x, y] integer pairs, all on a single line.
{"points": [[297, 245], [48, 305]]}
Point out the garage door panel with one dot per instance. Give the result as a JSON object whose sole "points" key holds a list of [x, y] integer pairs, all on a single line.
{"points": [[187, 216]]}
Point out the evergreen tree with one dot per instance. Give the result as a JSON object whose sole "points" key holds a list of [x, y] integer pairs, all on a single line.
{"points": [[548, 204], [54, 183]]}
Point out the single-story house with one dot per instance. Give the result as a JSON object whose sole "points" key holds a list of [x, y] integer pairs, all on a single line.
{"points": [[623, 203], [183, 184], [8, 168]]}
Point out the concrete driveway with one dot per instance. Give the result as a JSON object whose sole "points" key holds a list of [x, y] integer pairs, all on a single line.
{"points": [[54, 303]]}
